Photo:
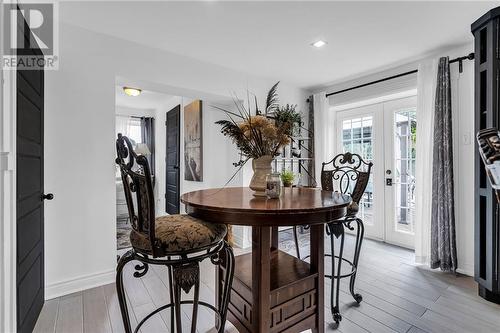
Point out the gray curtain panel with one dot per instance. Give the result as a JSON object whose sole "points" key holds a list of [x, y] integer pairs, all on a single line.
{"points": [[310, 144], [443, 240], [148, 137]]}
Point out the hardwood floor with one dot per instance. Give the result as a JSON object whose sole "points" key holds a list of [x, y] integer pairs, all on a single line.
{"points": [[397, 297]]}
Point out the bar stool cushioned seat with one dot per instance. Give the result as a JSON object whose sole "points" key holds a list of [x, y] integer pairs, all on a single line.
{"points": [[180, 233]]}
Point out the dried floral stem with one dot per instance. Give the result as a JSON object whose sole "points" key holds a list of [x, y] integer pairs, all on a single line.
{"points": [[260, 134]]}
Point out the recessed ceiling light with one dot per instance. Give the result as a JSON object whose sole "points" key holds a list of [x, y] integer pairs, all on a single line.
{"points": [[319, 43], [132, 91]]}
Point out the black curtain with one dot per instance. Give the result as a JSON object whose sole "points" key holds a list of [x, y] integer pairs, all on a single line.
{"points": [[148, 137]]}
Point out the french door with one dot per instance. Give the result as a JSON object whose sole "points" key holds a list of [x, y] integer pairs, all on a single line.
{"points": [[385, 134]]}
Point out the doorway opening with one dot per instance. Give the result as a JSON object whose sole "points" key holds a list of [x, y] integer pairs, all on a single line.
{"points": [[167, 149], [141, 118]]}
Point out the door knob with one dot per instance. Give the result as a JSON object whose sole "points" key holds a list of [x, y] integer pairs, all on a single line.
{"points": [[176, 167], [388, 171], [48, 196]]}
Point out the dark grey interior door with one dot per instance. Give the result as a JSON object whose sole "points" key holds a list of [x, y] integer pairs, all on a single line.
{"points": [[29, 184], [172, 194]]}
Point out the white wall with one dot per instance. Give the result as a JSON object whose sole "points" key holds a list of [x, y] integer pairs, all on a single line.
{"points": [[80, 233], [464, 140], [463, 160], [128, 111]]}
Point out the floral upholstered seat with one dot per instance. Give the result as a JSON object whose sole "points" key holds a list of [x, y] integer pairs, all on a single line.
{"points": [[180, 233]]}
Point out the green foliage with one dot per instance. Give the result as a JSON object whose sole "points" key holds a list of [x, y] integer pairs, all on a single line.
{"points": [[288, 116], [413, 133], [287, 177]]}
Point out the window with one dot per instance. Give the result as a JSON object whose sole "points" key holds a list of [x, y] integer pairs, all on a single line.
{"points": [[357, 138], [131, 128]]}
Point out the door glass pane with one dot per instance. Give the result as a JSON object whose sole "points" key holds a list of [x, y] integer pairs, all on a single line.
{"points": [[357, 138], [405, 136]]}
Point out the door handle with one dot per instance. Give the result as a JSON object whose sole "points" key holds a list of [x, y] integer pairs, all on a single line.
{"points": [[176, 167], [388, 181], [48, 196]]}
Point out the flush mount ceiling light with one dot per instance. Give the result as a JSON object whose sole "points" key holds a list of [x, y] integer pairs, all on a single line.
{"points": [[132, 91], [319, 43]]}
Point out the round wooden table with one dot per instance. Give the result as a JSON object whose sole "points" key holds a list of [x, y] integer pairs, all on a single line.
{"points": [[273, 291]]}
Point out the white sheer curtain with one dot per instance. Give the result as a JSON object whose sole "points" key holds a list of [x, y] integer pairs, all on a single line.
{"points": [[324, 132], [130, 127], [426, 87]]}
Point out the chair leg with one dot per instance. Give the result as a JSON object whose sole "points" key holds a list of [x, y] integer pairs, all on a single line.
{"points": [[296, 238], [177, 306], [332, 277], [357, 249], [228, 282], [185, 276], [336, 230], [196, 299], [127, 257], [339, 272], [171, 292]]}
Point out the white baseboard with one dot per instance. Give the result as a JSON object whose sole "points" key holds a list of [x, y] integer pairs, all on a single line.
{"points": [[466, 269], [78, 284]]}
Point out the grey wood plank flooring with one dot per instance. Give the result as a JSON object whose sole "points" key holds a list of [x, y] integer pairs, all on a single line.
{"points": [[114, 313], [95, 311], [70, 314], [47, 321], [415, 330], [397, 297]]}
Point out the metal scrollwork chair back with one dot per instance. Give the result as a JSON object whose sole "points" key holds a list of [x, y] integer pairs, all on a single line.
{"points": [[349, 174], [136, 178]]}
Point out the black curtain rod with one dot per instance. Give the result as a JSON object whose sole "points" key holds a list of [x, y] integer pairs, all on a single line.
{"points": [[470, 56], [139, 117], [373, 82], [460, 60]]}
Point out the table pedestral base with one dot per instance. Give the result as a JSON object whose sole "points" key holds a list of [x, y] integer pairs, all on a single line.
{"points": [[275, 292]]}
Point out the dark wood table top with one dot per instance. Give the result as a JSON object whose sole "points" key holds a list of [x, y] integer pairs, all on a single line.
{"points": [[238, 206]]}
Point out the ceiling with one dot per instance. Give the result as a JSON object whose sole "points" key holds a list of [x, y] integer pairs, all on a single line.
{"points": [[147, 100], [272, 39]]}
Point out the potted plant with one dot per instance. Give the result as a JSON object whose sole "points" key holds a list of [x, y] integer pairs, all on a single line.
{"points": [[287, 177], [260, 135]]}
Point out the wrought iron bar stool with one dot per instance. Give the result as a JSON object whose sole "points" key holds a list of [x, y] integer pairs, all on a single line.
{"points": [[179, 242], [350, 173]]}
